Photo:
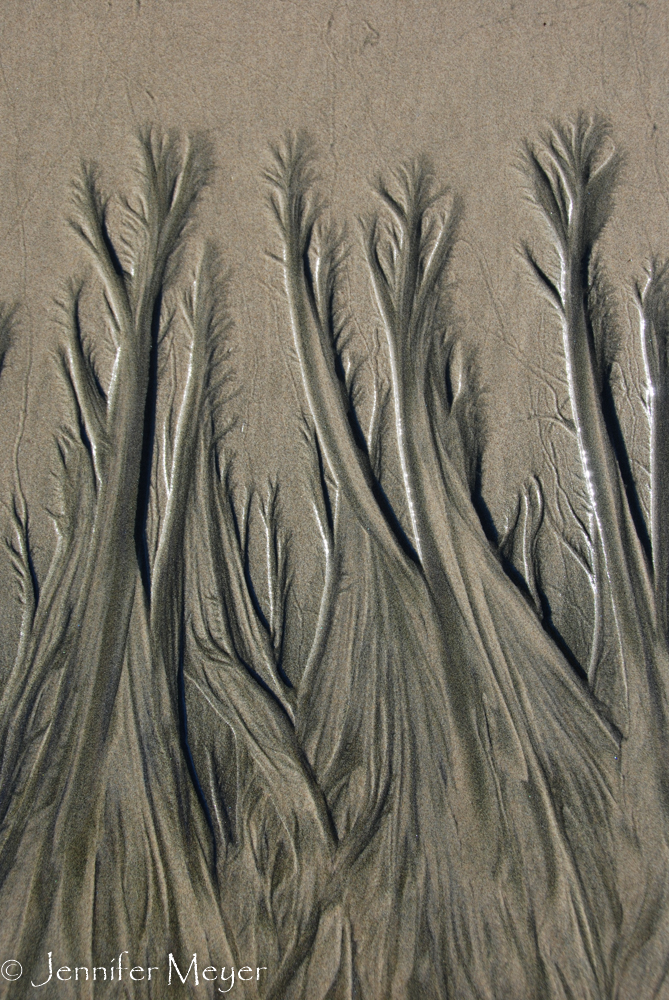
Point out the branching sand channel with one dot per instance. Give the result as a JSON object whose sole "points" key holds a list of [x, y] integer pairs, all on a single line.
{"points": [[447, 798]]}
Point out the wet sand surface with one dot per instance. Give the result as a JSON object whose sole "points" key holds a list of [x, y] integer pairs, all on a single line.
{"points": [[334, 409]]}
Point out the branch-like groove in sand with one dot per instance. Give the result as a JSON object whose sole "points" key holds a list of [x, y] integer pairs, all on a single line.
{"points": [[437, 800]]}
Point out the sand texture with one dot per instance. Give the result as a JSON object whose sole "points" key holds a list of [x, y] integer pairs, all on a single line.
{"points": [[334, 500]]}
